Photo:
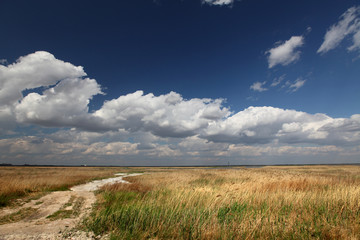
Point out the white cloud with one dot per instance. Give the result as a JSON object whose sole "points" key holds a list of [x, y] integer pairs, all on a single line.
{"points": [[113, 148], [278, 80], [139, 124], [42, 150], [196, 144], [293, 87], [288, 85], [349, 24], [31, 145], [356, 41], [86, 137], [285, 53], [258, 86], [218, 2], [66, 104], [274, 150], [165, 115], [39, 69], [262, 125], [7, 119]]}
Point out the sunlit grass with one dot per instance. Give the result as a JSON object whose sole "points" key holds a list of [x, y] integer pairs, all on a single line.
{"points": [[315, 202], [18, 182]]}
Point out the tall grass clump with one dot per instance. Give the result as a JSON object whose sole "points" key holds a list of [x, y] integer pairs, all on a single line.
{"points": [[315, 202]]}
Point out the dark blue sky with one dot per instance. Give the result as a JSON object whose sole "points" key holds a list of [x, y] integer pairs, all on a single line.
{"points": [[297, 55], [191, 48]]}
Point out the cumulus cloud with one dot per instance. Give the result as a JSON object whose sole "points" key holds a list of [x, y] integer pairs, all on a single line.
{"points": [[66, 104], [44, 150], [113, 148], [65, 96], [263, 125], [347, 26], [145, 124], [286, 52], [36, 70], [39, 69], [38, 146], [200, 146], [271, 150], [218, 2], [258, 86], [87, 137], [7, 119], [166, 115]]}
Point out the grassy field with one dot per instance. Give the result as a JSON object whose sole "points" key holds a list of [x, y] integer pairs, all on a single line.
{"points": [[310, 202], [19, 182]]}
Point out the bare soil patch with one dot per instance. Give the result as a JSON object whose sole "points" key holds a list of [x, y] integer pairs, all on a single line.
{"points": [[53, 216]]}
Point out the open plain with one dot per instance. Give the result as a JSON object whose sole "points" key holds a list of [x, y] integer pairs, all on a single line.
{"points": [[278, 202]]}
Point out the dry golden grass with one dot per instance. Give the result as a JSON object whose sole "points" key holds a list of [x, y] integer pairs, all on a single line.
{"points": [[135, 186], [18, 182], [310, 202]]}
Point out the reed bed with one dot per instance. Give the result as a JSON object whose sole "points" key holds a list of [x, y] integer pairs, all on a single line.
{"points": [[311, 202]]}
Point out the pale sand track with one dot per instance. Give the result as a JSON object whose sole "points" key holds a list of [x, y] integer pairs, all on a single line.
{"points": [[37, 226]]}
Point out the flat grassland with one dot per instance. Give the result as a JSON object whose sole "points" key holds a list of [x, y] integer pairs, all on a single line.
{"points": [[308, 202], [295, 202], [17, 182]]}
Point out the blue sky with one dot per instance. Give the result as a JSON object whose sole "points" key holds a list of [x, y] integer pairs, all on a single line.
{"points": [[179, 82]]}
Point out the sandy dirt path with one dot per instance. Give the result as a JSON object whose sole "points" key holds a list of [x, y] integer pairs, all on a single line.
{"points": [[55, 215]]}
